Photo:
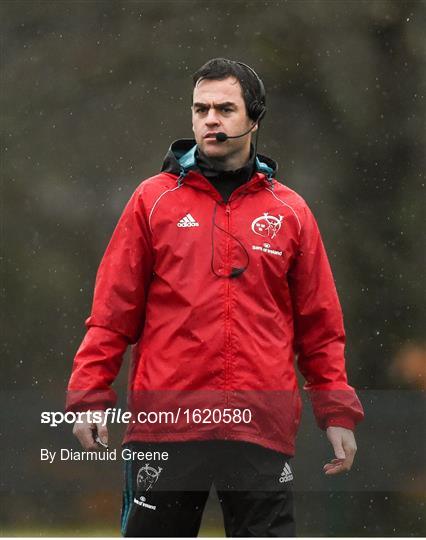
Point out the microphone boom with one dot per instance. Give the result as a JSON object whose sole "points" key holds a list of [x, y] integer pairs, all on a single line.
{"points": [[222, 137]]}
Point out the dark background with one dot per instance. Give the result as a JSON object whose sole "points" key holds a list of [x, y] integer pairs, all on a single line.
{"points": [[92, 94]]}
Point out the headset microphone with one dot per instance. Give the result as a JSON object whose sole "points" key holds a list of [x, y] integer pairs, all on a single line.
{"points": [[222, 137]]}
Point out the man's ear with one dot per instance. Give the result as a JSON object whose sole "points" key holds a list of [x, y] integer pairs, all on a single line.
{"points": [[255, 127]]}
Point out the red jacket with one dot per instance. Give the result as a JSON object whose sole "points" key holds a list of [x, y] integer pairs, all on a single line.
{"points": [[217, 299]]}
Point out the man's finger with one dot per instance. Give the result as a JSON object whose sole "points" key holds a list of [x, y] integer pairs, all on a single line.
{"points": [[338, 466], [102, 432], [334, 462], [335, 470], [349, 461], [350, 449], [84, 434]]}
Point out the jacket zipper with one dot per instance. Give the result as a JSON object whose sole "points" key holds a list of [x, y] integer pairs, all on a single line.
{"points": [[228, 306]]}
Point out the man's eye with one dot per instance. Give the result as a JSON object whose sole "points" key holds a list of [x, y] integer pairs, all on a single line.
{"points": [[200, 110], [227, 109]]}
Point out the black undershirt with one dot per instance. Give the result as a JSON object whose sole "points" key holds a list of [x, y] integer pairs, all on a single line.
{"points": [[225, 181]]}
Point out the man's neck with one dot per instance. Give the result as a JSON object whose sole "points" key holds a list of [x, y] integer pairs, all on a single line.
{"points": [[226, 181], [210, 170]]}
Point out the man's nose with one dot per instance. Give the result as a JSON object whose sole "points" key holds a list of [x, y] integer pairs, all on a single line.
{"points": [[212, 117]]}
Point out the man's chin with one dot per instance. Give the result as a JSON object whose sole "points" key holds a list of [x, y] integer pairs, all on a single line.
{"points": [[212, 148]]}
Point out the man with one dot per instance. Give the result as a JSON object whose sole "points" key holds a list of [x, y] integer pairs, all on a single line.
{"points": [[216, 273]]}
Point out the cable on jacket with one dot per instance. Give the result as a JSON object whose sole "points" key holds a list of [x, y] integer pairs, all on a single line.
{"points": [[235, 272]]}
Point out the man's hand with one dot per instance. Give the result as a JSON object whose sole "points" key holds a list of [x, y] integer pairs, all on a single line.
{"points": [[344, 445], [86, 432]]}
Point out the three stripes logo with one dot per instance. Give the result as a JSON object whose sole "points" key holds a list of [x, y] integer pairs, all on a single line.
{"points": [[286, 475], [188, 221]]}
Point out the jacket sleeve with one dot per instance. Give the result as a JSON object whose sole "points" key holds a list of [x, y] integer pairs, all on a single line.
{"points": [[319, 332], [118, 310]]}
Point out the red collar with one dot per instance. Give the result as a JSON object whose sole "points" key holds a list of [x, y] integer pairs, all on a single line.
{"points": [[198, 181]]}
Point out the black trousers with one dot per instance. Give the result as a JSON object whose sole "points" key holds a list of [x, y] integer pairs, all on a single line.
{"points": [[167, 497]]}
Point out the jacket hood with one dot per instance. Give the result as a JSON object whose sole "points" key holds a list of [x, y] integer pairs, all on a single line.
{"points": [[180, 158]]}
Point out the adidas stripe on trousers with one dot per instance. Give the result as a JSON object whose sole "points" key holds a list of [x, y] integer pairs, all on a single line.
{"points": [[167, 497]]}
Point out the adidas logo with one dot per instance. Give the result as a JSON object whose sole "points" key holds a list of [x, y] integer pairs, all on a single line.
{"points": [[188, 221], [286, 475]]}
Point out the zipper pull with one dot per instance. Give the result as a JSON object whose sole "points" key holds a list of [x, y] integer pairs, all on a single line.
{"points": [[228, 209]]}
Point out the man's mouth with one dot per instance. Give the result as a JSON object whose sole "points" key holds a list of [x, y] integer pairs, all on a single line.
{"points": [[211, 135]]}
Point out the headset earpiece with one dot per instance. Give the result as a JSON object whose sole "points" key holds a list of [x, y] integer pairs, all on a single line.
{"points": [[257, 109]]}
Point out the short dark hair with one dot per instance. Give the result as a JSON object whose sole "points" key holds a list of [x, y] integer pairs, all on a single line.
{"points": [[222, 68]]}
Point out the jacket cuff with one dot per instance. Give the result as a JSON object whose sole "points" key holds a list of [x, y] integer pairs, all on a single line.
{"points": [[340, 421], [84, 407]]}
